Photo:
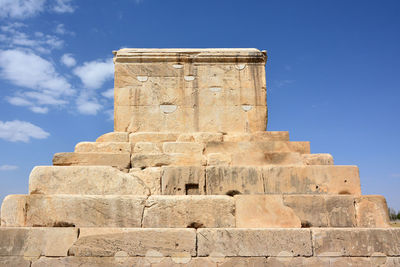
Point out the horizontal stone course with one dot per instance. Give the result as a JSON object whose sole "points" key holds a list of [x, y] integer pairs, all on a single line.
{"points": [[114, 137], [103, 147], [119, 160]]}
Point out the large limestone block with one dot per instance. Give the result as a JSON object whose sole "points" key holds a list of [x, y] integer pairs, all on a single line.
{"points": [[221, 180], [17, 261], [317, 159], [322, 210], [311, 179], [35, 242], [265, 158], [264, 211], [79, 210], [13, 211], [183, 147], [85, 180], [189, 211], [183, 180], [151, 177], [106, 242], [119, 160], [120, 260], [253, 242], [261, 136], [219, 159], [154, 137], [243, 261], [200, 137], [114, 137], [364, 242], [106, 147], [252, 147], [146, 148], [372, 211], [140, 160]]}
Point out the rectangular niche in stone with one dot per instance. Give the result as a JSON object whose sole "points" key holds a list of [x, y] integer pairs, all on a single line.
{"points": [[190, 90]]}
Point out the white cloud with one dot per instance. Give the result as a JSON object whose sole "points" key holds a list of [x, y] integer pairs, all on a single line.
{"points": [[88, 106], [63, 6], [41, 110], [18, 101], [68, 60], [109, 93], [29, 70], [110, 114], [21, 9], [16, 130], [8, 167], [94, 74]]}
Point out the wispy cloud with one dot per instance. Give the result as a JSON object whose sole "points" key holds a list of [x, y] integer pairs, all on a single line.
{"points": [[108, 93], [22, 9], [22, 131], [8, 167], [282, 83], [63, 6], [68, 60]]}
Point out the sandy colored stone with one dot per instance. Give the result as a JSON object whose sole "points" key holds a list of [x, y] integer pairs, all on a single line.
{"points": [[85, 180], [221, 180], [322, 210], [103, 147], [260, 147], [218, 159], [91, 262], [114, 137], [35, 242], [253, 242], [120, 160], [151, 177], [154, 137], [260, 136], [264, 211], [317, 159], [244, 261], [356, 242], [81, 211], [265, 158], [140, 160], [106, 242], [189, 212], [13, 211], [183, 147], [192, 262], [146, 147], [311, 179], [183, 180], [17, 261], [372, 211]]}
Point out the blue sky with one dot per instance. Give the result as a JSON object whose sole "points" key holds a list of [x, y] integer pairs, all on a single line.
{"points": [[333, 73]]}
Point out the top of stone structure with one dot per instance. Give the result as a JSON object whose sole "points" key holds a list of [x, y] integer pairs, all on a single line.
{"points": [[190, 54]]}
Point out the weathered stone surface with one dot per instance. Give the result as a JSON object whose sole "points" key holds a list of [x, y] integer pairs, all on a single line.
{"points": [[311, 180], [114, 137], [317, 159], [253, 242], [183, 180], [120, 160], [189, 211], [146, 147], [254, 147], [12, 261], [356, 242], [154, 137], [85, 180], [140, 160], [13, 210], [117, 261], [78, 210], [183, 147], [266, 158], [264, 211], [103, 147], [217, 159], [223, 180], [106, 242], [332, 261], [35, 242], [261, 136], [151, 177], [372, 211], [243, 261], [322, 210]]}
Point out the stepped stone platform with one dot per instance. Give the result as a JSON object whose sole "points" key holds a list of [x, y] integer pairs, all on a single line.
{"points": [[191, 177]]}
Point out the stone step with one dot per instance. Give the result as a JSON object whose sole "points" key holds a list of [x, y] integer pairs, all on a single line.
{"points": [[114, 137], [119, 160], [205, 247], [242, 211], [103, 147], [252, 147], [195, 180]]}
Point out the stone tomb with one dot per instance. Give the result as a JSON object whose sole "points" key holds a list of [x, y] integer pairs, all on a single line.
{"points": [[190, 177]]}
